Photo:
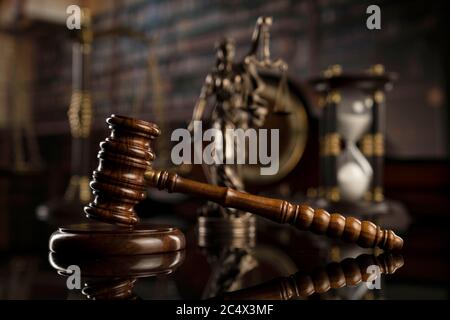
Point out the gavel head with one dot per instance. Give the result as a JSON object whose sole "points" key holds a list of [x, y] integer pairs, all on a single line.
{"points": [[118, 182]]}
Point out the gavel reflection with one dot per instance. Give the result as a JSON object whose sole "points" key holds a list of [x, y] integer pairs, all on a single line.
{"points": [[347, 273], [113, 277], [125, 170]]}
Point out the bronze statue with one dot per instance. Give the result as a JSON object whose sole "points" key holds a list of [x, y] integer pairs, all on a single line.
{"points": [[240, 103]]}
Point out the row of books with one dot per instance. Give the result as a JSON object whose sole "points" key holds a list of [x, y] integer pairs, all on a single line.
{"points": [[309, 35]]}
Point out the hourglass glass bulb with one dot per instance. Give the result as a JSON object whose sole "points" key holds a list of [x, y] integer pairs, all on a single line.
{"points": [[354, 174], [354, 171]]}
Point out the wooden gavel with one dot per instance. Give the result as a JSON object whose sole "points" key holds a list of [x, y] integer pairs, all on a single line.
{"points": [[125, 170]]}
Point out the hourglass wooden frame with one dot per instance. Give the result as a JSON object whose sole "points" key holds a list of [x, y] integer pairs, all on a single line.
{"points": [[374, 83]]}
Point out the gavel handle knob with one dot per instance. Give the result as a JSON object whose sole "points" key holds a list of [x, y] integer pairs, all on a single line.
{"points": [[364, 233]]}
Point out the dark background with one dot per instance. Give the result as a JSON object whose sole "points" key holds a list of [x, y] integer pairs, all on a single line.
{"points": [[309, 35]]}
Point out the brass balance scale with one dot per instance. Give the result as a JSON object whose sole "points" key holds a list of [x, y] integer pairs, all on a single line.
{"points": [[81, 110]]}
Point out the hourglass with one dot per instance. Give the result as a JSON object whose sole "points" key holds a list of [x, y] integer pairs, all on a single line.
{"points": [[352, 134], [354, 172]]}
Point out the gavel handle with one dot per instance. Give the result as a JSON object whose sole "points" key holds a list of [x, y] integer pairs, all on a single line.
{"points": [[365, 233]]}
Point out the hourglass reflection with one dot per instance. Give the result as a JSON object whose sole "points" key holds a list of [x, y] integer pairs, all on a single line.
{"points": [[352, 129]]}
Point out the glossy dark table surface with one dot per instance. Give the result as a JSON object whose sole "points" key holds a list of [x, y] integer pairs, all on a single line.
{"points": [[280, 263]]}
